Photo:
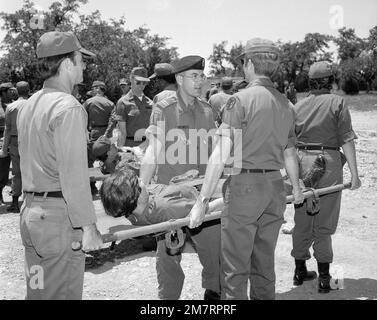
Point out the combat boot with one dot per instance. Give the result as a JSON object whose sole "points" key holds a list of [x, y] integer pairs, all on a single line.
{"points": [[14, 206], [211, 295], [324, 277], [302, 274]]}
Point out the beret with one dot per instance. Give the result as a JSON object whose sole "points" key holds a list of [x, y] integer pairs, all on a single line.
{"points": [[321, 69], [188, 63], [6, 86]]}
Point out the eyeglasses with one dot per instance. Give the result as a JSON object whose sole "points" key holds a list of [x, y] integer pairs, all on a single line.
{"points": [[197, 77]]}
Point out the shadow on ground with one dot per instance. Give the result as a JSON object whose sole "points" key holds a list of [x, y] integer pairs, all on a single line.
{"points": [[354, 289], [100, 261]]}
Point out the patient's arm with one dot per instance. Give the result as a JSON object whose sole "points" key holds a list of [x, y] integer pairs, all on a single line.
{"points": [[216, 205]]}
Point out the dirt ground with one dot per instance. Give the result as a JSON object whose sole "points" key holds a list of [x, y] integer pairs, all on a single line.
{"points": [[128, 272]]}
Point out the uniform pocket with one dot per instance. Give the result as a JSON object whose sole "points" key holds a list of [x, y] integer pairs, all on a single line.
{"points": [[47, 228]]}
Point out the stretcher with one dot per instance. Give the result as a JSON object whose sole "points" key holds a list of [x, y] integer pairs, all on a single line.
{"points": [[117, 229]]}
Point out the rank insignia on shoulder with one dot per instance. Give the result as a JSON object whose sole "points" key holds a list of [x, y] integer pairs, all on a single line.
{"points": [[230, 103]]}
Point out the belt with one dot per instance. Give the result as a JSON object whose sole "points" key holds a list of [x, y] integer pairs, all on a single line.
{"points": [[50, 194], [318, 148], [14, 136], [257, 170], [103, 126], [132, 138]]}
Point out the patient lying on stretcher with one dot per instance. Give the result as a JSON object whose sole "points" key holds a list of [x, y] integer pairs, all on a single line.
{"points": [[124, 194]]}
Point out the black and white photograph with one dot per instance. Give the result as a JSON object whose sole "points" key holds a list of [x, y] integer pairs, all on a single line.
{"points": [[204, 151]]}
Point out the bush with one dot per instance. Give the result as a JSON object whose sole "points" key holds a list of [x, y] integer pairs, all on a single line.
{"points": [[363, 85], [302, 82], [350, 85]]}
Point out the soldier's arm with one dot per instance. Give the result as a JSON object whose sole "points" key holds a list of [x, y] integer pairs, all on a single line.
{"points": [[350, 153], [150, 159], [123, 133], [291, 166]]}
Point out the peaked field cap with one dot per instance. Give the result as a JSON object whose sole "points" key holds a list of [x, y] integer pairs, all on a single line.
{"points": [[188, 63], [259, 45], [124, 81], [100, 84], [321, 69], [55, 43], [6, 85], [226, 82], [162, 69], [140, 74]]}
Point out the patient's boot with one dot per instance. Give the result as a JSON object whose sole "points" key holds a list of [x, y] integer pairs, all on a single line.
{"points": [[316, 172]]}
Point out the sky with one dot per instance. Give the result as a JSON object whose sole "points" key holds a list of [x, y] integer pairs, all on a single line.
{"points": [[195, 25]]}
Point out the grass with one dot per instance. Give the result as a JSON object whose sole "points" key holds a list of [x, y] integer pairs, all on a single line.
{"points": [[360, 102]]}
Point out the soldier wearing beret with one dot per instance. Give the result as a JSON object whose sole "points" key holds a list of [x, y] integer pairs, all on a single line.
{"points": [[125, 86], [165, 81], [254, 195], [99, 109], [183, 112], [218, 100], [6, 98], [323, 125], [11, 142], [58, 211], [133, 110]]}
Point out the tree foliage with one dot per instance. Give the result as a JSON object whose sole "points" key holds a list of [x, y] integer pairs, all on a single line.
{"points": [[118, 49]]}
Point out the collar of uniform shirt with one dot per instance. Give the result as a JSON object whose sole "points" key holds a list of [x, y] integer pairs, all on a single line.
{"points": [[182, 107], [262, 81], [53, 83], [320, 91]]}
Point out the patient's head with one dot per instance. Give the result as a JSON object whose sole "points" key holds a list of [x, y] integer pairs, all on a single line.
{"points": [[120, 192]]}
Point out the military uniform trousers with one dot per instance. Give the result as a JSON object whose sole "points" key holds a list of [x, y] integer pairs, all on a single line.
{"points": [[16, 171], [47, 236], [317, 230], [170, 276], [250, 224], [4, 167]]}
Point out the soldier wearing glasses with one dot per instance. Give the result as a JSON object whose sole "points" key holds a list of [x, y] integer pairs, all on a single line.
{"points": [[184, 111], [133, 110]]}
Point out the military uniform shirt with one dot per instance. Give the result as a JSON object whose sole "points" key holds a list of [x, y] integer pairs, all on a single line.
{"points": [[323, 119], [217, 101], [52, 139], [172, 113], [169, 91], [11, 115], [99, 110], [166, 202], [134, 112], [266, 119]]}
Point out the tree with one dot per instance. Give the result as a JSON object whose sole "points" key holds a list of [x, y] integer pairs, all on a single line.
{"points": [[349, 44], [118, 50], [217, 59], [234, 53]]}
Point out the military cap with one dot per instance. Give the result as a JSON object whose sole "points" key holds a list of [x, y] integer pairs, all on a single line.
{"points": [[188, 63], [22, 87], [162, 69], [6, 85], [55, 43], [258, 45], [100, 84], [124, 81], [226, 82], [140, 74], [101, 146], [321, 69]]}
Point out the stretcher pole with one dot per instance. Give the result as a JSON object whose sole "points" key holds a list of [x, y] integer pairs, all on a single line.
{"points": [[179, 223]]}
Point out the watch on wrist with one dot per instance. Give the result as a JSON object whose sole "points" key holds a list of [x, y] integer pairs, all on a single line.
{"points": [[204, 200]]}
